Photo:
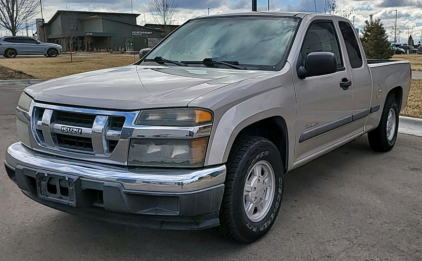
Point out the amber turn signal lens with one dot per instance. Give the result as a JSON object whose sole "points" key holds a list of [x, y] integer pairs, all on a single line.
{"points": [[203, 116]]}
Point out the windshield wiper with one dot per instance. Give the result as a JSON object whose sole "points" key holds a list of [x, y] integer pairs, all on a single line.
{"points": [[159, 59], [232, 64]]}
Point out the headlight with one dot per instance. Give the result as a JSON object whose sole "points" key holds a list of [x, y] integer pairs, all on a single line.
{"points": [[167, 153], [24, 102], [185, 117]]}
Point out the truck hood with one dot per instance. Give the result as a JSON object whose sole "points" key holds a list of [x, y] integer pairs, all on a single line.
{"points": [[136, 87]]}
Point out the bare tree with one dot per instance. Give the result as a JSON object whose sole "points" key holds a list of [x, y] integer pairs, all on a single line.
{"points": [[347, 14], [163, 11], [330, 6], [89, 41], [15, 13], [70, 35], [395, 32], [70, 39]]}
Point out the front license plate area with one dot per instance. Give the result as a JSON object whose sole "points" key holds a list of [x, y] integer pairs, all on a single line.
{"points": [[57, 188]]}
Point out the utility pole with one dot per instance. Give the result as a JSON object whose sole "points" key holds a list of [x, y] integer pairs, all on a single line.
{"points": [[268, 5], [395, 29], [131, 5], [208, 11], [315, 5], [254, 5]]}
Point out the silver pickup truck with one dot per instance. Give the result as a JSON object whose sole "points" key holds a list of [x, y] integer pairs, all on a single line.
{"points": [[200, 132]]}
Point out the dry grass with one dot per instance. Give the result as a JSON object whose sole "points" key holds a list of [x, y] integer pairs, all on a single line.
{"points": [[414, 59], [414, 104], [48, 68]]}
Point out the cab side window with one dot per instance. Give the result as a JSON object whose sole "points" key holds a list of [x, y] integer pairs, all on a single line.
{"points": [[321, 37], [352, 46]]}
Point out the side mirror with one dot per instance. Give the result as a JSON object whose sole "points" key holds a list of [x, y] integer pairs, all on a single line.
{"points": [[144, 52], [318, 63]]}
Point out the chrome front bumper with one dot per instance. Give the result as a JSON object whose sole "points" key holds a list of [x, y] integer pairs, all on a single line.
{"points": [[147, 180], [156, 198]]}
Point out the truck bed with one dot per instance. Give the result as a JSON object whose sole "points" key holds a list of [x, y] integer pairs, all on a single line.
{"points": [[374, 61], [388, 74]]}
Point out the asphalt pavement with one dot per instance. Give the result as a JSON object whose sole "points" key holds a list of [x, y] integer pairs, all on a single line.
{"points": [[351, 204]]}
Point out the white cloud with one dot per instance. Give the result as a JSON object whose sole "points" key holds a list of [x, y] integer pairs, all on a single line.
{"points": [[361, 9]]}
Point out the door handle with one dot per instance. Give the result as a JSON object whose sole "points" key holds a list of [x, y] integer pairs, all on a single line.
{"points": [[345, 83]]}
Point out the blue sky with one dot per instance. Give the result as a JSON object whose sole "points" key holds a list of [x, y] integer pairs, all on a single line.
{"points": [[409, 12]]}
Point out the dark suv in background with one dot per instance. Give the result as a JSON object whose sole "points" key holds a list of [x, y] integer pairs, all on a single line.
{"points": [[409, 49]]}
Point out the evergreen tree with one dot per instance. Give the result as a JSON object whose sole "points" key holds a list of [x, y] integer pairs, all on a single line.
{"points": [[375, 41]]}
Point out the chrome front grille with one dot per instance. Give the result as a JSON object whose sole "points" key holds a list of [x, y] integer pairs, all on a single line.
{"points": [[77, 130], [75, 143], [74, 119]]}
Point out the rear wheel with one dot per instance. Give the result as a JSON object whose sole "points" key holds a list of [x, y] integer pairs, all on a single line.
{"points": [[384, 137], [10, 53], [253, 191]]}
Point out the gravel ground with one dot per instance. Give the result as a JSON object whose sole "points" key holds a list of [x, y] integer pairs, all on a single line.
{"points": [[9, 74]]}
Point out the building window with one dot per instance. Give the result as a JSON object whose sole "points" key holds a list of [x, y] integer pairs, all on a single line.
{"points": [[73, 24]]}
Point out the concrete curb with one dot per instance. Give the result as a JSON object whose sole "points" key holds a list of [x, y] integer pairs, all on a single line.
{"points": [[411, 126], [21, 81]]}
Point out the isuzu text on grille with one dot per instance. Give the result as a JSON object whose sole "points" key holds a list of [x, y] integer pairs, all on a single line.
{"points": [[71, 130]]}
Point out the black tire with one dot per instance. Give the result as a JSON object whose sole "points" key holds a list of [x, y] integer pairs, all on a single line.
{"points": [[10, 53], [378, 138], [52, 52], [248, 151]]}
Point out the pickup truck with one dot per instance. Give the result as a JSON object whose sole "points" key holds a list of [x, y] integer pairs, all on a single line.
{"points": [[201, 131]]}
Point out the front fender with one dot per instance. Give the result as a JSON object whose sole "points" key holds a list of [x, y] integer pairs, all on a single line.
{"points": [[276, 102]]}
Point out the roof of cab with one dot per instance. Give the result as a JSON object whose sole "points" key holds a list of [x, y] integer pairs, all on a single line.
{"points": [[281, 14]]}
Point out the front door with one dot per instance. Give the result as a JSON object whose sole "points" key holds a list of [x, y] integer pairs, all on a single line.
{"points": [[324, 109], [33, 47]]}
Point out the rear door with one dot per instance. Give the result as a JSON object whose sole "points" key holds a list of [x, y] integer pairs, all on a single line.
{"points": [[19, 45], [361, 77], [324, 109], [12, 42]]}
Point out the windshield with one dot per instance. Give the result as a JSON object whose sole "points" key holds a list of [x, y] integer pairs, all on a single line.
{"points": [[260, 42]]}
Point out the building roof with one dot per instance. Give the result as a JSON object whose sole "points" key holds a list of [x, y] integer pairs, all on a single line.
{"points": [[121, 22], [160, 26], [88, 12]]}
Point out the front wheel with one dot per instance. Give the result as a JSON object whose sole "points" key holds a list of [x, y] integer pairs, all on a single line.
{"points": [[253, 191], [52, 52], [384, 137]]}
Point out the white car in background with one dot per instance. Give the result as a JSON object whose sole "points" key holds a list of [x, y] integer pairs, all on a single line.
{"points": [[11, 46]]}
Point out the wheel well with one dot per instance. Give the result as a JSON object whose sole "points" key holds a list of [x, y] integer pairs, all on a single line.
{"points": [[397, 93], [274, 129]]}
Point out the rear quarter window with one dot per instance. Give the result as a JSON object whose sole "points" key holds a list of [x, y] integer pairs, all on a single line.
{"points": [[352, 46]]}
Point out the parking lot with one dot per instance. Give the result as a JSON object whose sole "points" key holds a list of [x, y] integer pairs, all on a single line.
{"points": [[351, 204]]}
